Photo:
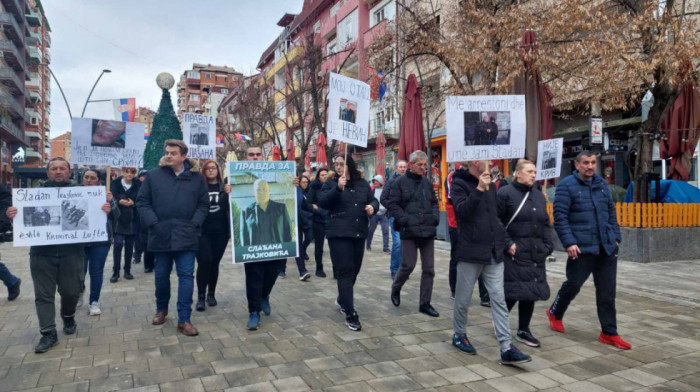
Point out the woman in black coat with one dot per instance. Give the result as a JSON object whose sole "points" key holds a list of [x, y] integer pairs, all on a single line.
{"points": [[318, 219], [529, 243], [126, 226], [349, 202]]}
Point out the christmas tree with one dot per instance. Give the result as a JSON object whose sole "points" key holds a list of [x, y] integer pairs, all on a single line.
{"points": [[165, 125]]}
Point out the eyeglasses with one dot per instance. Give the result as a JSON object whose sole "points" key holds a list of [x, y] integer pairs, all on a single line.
{"points": [[211, 168]]}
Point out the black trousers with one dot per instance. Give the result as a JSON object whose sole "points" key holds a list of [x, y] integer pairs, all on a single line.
{"points": [[211, 250], [346, 256], [525, 310], [604, 270], [319, 233], [51, 273], [148, 259], [452, 276], [125, 242], [305, 237], [260, 277]]}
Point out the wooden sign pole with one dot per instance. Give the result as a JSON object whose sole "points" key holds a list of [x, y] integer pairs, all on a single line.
{"points": [[108, 179], [487, 170]]}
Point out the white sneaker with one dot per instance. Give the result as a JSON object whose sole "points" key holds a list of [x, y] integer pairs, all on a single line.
{"points": [[94, 309], [80, 300]]}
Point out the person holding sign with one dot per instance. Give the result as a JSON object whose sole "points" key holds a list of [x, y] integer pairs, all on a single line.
{"points": [[480, 248], [125, 190], [586, 223], [173, 203], [56, 268], [350, 203], [523, 212]]}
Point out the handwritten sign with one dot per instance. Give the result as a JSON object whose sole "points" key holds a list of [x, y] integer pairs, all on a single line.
{"points": [[52, 216], [348, 110], [549, 154], [199, 132], [106, 143], [485, 127]]}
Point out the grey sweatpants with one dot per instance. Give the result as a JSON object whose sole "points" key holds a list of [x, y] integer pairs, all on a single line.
{"points": [[49, 274], [492, 274]]}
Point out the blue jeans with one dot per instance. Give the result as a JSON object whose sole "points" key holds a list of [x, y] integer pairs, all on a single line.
{"points": [[95, 258], [384, 222], [7, 277], [184, 266], [396, 258]]}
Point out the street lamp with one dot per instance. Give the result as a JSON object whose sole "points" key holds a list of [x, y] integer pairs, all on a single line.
{"points": [[104, 71], [59, 88]]}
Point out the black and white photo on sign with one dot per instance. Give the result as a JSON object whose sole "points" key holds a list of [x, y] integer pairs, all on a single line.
{"points": [[485, 127], [348, 100], [64, 215], [199, 135], [74, 215], [199, 132], [549, 155], [106, 143]]}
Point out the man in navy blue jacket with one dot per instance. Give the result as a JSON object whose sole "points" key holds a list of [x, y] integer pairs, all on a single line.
{"points": [[585, 220]]}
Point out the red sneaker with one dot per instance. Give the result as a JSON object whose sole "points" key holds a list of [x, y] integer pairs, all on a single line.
{"points": [[556, 325], [614, 340]]}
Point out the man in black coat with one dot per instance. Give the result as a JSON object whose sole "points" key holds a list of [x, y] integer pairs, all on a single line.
{"points": [[264, 221], [480, 247], [413, 205], [173, 203], [11, 282]]}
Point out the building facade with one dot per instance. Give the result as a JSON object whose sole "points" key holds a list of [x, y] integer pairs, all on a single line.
{"points": [[204, 86], [60, 146]]}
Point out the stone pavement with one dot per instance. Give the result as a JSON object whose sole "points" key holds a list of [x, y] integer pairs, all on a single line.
{"points": [[304, 344]]}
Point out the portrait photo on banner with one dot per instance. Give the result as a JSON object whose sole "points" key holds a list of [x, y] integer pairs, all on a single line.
{"points": [[549, 156], [199, 133], [106, 143], [485, 127], [263, 210], [348, 100]]}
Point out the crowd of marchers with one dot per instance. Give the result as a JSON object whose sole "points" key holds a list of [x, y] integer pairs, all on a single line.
{"points": [[179, 214]]}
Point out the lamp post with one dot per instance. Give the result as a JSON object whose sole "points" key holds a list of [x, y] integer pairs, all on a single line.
{"points": [[104, 71], [59, 88]]}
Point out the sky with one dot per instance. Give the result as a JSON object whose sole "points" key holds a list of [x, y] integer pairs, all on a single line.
{"points": [[137, 40]]}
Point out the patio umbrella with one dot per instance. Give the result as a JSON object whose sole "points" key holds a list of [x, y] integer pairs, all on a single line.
{"points": [[381, 153], [537, 97], [276, 153], [290, 150], [680, 130], [321, 157], [412, 135], [307, 159]]}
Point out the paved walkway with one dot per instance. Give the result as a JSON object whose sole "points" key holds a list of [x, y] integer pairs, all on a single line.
{"points": [[304, 344]]}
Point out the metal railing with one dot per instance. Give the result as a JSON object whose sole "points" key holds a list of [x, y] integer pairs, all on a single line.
{"points": [[390, 128]]}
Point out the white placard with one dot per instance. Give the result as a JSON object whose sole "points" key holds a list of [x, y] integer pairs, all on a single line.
{"points": [[66, 215], [199, 132], [549, 153], [106, 143], [483, 127], [348, 110]]}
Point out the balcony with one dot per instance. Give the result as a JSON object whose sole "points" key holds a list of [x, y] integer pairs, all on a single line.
{"points": [[13, 107], [12, 55], [33, 135], [47, 39], [194, 81], [34, 55], [47, 57], [329, 26], [291, 55], [32, 153], [9, 78], [33, 18], [390, 129], [33, 97], [346, 9], [34, 38], [11, 28], [13, 130], [15, 6], [374, 32]]}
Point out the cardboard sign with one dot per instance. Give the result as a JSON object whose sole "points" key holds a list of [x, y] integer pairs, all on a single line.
{"points": [[106, 143], [549, 154], [485, 127], [66, 215], [348, 110], [263, 210], [199, 132]]}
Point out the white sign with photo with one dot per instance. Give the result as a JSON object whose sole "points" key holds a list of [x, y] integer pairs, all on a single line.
{"points": [[65, 215], [483, 127], [549, 153], [348, 110], [106, 143], [199, 132]]}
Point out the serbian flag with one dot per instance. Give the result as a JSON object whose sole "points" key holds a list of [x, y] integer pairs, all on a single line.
{"points": [[219, 141], [242, 138], [124, 109]]}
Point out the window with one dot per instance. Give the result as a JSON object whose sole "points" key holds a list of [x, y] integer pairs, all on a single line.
{"points": [[34, 121], [235, 78], [330, 48], [224, 91], [384, 10], [194, 97], [335, 8], [279, 80], [192, 75], [207, 75], [347, 30], [281, 109], [379, 16], [317, 27]]}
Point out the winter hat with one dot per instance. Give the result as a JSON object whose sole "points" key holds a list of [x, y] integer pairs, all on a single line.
{"points": [[379, 179]]}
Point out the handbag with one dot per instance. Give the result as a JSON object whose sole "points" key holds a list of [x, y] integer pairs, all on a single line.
{"points": [[520, 207]]}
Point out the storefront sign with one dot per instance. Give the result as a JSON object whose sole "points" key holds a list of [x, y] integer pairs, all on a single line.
{"points": [[596, 130]]}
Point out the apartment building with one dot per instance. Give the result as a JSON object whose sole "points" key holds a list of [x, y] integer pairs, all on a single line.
{"points": [[201, 89], [60, 146]]}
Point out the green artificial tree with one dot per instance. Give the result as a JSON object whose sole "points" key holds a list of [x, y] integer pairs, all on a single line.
{"points": [[165, 125]]}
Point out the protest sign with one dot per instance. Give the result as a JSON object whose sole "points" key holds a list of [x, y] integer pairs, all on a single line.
{"points": [[485, 127], [348, 110], [106, 143], [549, 153], [199, 132], [66, 215], [263, 210]]}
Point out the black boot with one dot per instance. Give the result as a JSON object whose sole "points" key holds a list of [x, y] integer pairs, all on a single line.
{"points": [[114, 278], [13, 292], [211, 300], [69, 325], [200, 303], [48, 340]]}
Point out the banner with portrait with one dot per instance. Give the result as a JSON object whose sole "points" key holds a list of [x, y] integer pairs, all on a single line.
{"points": [[348, 110], [263, 210], [549, 154], [199, 132], [106, 143], [485, 127], [65, 215]]}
